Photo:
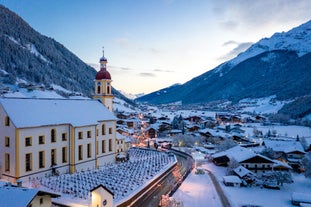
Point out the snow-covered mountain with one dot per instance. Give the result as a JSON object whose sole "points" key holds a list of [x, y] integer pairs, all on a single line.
{"points": [[297, 39], [278, 66], [30, 58]]}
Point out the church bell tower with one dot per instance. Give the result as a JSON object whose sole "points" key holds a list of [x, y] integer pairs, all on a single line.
{"points": [[103, 88]]}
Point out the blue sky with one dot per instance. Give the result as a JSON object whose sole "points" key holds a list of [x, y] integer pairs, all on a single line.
{"points": [[152, 44]]}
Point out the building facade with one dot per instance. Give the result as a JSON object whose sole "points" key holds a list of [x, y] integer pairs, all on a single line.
{"points": [[43, 137]]}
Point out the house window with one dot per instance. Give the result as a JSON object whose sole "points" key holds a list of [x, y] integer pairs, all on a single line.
{"points": [[89, 134], [53, 135], [41, 159], [80, 135], [255, 165], [103, 129], [41, 201], [96, 132], [7, 162], [41, 139], [263, 166], [64, 136], [53, 157], [7, 121], [28, 162], [110, 130], [80, 152], [7, 141], [98, 89], [89, 150], [110, 145], [64, 154], [104, 146], [28, 141]]}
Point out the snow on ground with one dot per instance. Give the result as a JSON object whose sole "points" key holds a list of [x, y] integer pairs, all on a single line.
{"points": [[261, 105], [288, 131], [60, 88], [120, 105], [198, 190], [267, 197], [24, 93]]}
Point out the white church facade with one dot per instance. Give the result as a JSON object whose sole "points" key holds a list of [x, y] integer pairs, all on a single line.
{"points": [[41, 137]]}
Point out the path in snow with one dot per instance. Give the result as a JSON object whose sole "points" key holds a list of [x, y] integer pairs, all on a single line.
{"points": [[222, 196], [197, 191]]}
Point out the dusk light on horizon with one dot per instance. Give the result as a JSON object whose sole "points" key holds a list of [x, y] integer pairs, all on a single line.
{"points": [[151, 45]]}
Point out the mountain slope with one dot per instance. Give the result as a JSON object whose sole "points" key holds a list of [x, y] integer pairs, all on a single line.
{"points": [[280, 65], [27, 55]]}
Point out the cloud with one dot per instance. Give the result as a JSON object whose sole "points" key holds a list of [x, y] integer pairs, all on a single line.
{"points": [[120, 68], [123, 42], [241, 47], [260, 13], [229, 25], [154, 51], [147, 74], [166, 71], [230, 42]]}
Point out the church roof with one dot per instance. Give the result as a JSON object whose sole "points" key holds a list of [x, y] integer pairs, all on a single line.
{"points": [[102, 74], [25, 112]]}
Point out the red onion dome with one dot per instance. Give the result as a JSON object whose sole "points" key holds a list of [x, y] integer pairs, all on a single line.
{"points": [[102, 74]]}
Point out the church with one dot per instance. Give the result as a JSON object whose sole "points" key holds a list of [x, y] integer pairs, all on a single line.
{"points": [[43, 137]]}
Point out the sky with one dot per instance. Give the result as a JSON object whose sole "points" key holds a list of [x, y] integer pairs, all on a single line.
{"points": [[153, 44]]}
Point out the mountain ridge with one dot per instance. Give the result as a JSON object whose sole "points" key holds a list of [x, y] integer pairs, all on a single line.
{"points": [[279, 65]]}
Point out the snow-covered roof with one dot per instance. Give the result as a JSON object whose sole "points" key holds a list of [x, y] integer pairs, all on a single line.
{"points": [[42, 112], [238, 153], [278, 163], [284, 146], [242, 171], [120, 136], [15, 196], [301, 197], [232, 179]]}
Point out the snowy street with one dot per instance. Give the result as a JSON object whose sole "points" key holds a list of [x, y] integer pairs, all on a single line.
{"points": [[197, 191]]}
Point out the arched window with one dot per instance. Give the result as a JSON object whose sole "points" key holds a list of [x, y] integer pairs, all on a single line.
{"points": [[98, 89], [53, 135], [108, 90]]}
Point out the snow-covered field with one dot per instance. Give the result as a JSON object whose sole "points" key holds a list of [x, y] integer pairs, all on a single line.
{"points": [[287, 131]]}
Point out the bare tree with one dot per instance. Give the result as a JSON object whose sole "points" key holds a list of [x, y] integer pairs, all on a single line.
{"points": [[232, 164], [283, 177], [306, 163], [226, 144]]}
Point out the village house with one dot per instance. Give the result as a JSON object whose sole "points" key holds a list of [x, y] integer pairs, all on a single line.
{"points": [[289, 151], [256, 163]]}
